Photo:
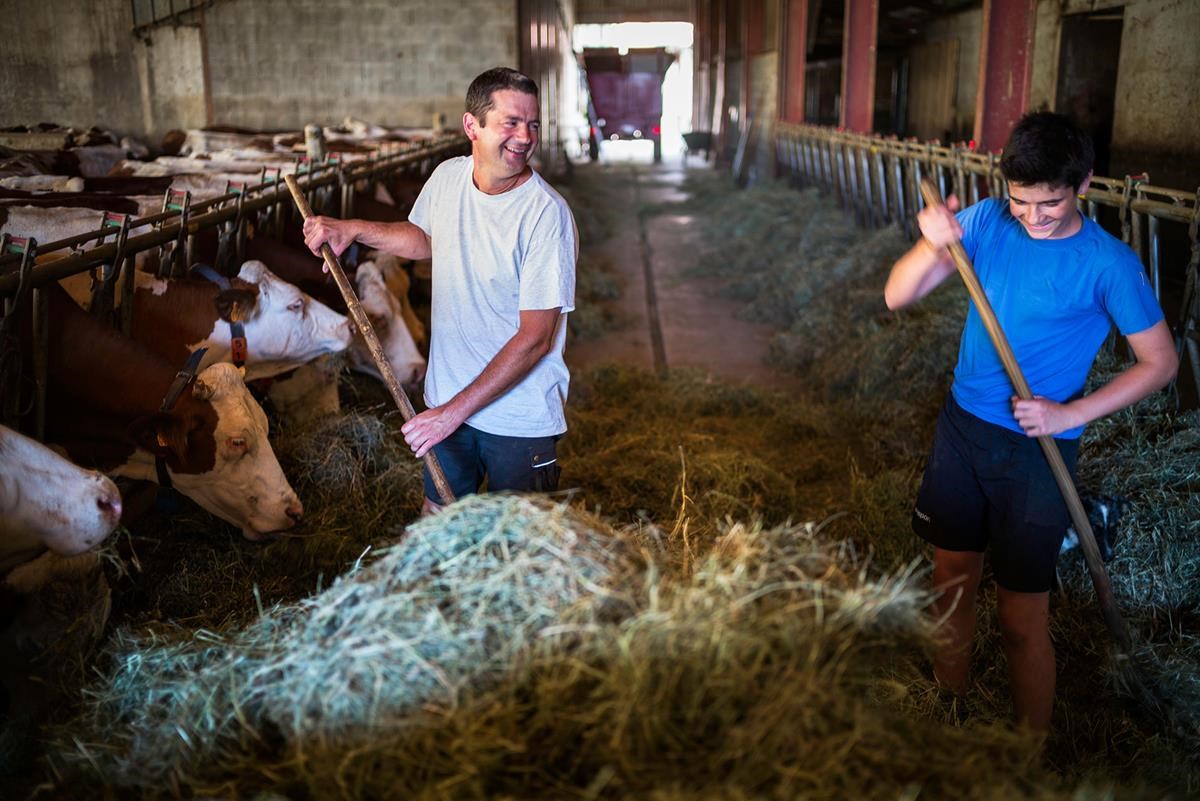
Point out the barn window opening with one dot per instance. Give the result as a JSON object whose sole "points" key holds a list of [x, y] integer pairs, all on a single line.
{"points": [[149, 14]]}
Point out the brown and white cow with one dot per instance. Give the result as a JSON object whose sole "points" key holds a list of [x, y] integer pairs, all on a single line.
{"points": [[399, 283], [384, 311], [387, 313], [103, 406], [284, 328], [48, 503]]}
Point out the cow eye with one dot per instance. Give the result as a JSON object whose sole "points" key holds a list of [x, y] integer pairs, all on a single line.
{"points": [[296, 305], [237, 445]]}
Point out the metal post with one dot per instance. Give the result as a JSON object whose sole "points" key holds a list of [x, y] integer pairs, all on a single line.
{"points": [[1154, 258], [41, 359]]}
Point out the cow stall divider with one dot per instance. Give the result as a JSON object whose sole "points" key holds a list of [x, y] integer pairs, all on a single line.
{"points": [[115, 244], [877, 179]]}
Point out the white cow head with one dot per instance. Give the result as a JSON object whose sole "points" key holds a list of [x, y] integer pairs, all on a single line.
{"points": [[228, 468], [387, 318], [285, 328], [46, 502]]}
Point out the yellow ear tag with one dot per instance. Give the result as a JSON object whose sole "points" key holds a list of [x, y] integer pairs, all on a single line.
{"points": [[242, 372]]}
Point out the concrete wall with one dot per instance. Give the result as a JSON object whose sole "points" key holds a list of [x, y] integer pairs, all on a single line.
{"points": [[276, 63], [1158, 93], [967, 28], [270, 63], [1155, 122], [79, 64]]}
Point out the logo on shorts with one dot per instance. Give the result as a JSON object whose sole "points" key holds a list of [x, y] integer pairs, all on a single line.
{"points": [[922, 515]]}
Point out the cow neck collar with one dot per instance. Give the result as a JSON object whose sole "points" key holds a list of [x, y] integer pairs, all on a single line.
{"points": [[237, 332], [183, 379]]}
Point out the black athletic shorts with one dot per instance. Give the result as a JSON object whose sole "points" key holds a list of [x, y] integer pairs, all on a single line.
{"points": [[987, 488], [524, 464]]}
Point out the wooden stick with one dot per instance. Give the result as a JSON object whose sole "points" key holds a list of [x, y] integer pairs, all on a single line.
{"points": [[1087, 539], [364, 325]]}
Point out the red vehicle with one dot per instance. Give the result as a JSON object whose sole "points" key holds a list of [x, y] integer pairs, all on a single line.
{"points": [[626, 95]]}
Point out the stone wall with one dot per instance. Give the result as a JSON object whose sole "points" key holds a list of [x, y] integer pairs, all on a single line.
{"points": [[279, 63], [80, 65]]}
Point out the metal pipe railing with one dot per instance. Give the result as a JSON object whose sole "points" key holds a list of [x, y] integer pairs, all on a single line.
{"points": [[21, 280]]}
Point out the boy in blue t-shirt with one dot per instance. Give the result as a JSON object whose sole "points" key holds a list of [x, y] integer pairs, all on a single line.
{"points": [[1057, 282]]}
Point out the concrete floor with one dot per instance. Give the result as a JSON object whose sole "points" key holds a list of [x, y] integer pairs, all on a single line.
{"points": [[698, 326]]}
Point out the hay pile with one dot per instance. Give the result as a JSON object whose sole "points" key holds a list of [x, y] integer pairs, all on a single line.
{"points": [[511, 649], [442, 611]]}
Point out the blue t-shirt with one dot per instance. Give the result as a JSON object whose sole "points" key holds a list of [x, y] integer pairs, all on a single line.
{"points": [[1055, 299]]}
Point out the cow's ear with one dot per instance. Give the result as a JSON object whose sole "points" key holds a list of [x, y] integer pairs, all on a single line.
{"points": [[236, 303], [202, 391], [161, 434]]}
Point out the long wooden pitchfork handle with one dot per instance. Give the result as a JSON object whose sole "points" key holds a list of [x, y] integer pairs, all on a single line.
{"points": [[1087, 539], [364, 325]]}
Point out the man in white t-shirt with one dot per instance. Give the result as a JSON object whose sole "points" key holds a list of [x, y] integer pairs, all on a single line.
{"points": [[504, 247]]}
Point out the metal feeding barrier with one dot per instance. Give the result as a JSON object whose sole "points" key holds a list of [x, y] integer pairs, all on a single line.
{"points": [[118, 239], [878, 180]]}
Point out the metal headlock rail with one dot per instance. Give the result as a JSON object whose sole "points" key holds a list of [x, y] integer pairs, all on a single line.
{"points": [[172, 231], [878, 178]]}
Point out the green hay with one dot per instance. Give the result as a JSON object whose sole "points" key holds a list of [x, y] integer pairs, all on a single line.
{"points": [[443, 610], [515, 650]]}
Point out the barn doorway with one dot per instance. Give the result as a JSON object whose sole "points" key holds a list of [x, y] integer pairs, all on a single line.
{"points": [[676, 39], [1089, 56]]}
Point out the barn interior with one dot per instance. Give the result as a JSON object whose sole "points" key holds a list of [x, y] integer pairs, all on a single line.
{"points": [[724, 599]]}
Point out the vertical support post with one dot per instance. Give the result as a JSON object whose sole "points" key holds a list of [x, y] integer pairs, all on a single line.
{"points": [[1154, 258], [795, 57], [1005, 69], [718, 112], [858, 65], [41, 360]]}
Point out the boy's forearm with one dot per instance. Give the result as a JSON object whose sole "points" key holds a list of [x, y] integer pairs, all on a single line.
{"points": [[1126, 389], [1156, 366]]}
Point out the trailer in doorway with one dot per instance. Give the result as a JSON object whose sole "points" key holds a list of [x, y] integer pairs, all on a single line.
{"points": [[626, 95]]}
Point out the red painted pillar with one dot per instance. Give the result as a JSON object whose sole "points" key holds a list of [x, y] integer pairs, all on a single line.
{"points": [[1005, 69], [795, 58], [858, 65]]}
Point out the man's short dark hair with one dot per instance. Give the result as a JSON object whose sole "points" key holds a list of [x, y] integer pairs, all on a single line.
{"points": [[497, 79], [1047, 148]]}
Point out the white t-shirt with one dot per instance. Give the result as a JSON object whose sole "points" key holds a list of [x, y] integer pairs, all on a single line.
{"points": [[494, 256]]}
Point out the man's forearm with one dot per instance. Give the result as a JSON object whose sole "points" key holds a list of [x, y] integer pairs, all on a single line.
{"points": [[402, 239]]}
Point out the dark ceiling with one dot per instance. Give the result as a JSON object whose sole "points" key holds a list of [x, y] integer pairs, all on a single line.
{"points": [[900, 23]]}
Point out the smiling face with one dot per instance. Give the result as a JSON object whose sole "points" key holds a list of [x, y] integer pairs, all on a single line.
{"points": [[1045, 211], [503, 141]]}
